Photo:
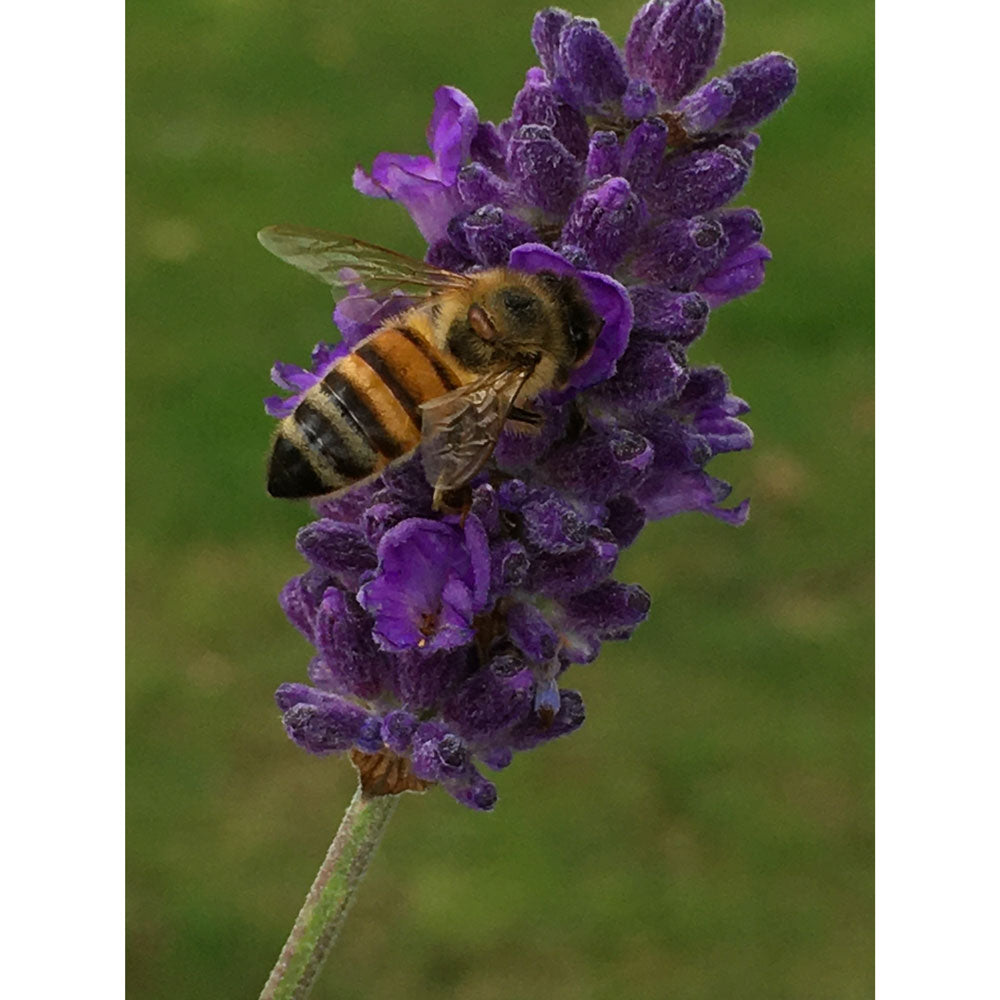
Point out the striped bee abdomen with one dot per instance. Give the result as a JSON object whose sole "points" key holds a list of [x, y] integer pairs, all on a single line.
{"points": [[363, 414]]}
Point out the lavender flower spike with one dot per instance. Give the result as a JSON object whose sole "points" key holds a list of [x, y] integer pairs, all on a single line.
{"points": [[442, 639]]}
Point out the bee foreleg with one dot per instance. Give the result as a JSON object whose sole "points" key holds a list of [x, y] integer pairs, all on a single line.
{"points": [[457, 500], [524, 416]]}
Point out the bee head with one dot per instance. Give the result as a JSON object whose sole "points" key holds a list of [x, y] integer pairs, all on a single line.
{"points": [[518, 314], [578, 325]]}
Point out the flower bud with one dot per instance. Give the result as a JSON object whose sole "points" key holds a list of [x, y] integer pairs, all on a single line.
{"points": [[760, 87], [590, 66], [323, 723], [738, 274], [492, 233], [650, 373], [537, 103], [603, 223], [679, 316], [478, 186], [698, 182], [673, 44], [642, 157], [612, 610], [742, 227], [639, 100], [545, 173], [707, 107], [531, 633], [602, 464], [603, 156], [679, 253], [545, 32]]}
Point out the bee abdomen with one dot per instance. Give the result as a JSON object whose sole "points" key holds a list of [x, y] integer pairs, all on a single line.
{"points": [[289, 474], [410, 368], [362, 415], [318, 450]]}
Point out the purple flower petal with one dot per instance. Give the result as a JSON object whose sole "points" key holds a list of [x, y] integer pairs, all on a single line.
{"points": [[359, 314], [427, 187], [489, 147], [431, 581], [451, 130]]}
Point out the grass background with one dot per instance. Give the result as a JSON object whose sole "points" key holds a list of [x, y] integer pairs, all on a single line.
{"points": [[708, 833]]}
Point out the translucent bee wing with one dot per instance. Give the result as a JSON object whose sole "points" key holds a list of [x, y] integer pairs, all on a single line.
{"points": [[460, 429], [343, 261]]}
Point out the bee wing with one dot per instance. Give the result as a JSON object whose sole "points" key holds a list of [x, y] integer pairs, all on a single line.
{"points": [[342, 261], [461, 428]]}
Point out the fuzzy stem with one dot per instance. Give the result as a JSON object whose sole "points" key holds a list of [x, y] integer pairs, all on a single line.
{"points": [[322, 915]]}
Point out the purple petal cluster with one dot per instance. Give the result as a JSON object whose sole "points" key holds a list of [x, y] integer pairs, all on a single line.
{"points": [[441, 640]]}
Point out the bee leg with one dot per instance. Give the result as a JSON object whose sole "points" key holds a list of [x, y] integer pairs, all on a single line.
{"points": [[524, 416], [453, 501]]}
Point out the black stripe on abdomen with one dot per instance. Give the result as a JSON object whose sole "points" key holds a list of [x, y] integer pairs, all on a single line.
{"points": [[448, 379], [289, 474], [357, 412], [329, 443], [383, 369]]}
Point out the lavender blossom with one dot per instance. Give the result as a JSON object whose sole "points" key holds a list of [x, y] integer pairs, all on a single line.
{"points": [[441, 640]]}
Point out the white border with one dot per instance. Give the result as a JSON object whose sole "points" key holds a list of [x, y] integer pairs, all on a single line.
{"points": [[937, 691], [63, 320]]}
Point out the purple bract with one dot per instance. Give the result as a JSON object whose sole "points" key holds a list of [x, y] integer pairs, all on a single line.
{"points": [[442, 639]]}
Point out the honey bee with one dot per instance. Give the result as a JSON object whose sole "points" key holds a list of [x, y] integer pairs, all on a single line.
{"points": [[446, 375]]}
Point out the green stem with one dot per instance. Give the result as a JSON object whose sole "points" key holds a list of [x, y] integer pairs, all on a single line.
{"points": [[322, 915]]}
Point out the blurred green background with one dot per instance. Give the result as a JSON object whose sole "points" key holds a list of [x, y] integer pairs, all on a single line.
{"points": [[708, 833]]}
